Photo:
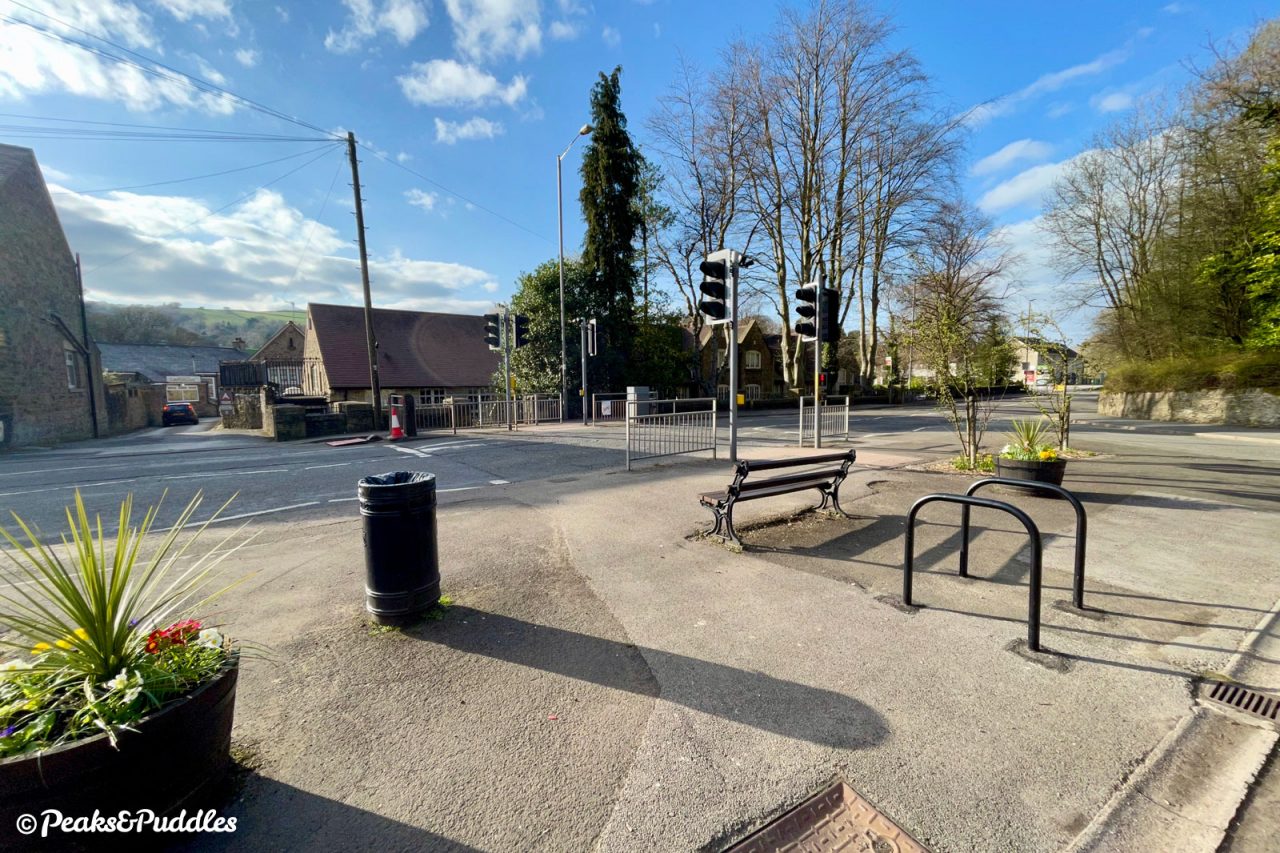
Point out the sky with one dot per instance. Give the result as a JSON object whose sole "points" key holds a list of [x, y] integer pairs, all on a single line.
{"points": [[461, 107]]}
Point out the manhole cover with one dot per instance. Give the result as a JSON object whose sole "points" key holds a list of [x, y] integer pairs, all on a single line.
{"points": [[837, 819], [1249, 701]]}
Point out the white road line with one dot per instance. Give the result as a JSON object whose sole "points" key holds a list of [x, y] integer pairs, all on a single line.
{"points": [[340, 500], [499, 482], [64, 488], [259, 512], [411, 451], [459, 489], [331, 465], [226, 474], [917, 429]]}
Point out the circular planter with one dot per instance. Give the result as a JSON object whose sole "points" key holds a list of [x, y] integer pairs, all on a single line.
{"points": [[1036, 470], [174, 752]]}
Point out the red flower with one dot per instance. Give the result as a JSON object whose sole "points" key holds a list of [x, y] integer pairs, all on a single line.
{"points": [[176, 634], [155, 641]]}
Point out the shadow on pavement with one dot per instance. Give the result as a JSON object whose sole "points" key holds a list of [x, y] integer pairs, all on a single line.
{"points": [[271, 815], [751, 698]]}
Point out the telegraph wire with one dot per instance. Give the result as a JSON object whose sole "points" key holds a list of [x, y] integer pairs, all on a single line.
{"points": [[211, 88], [229, 204], [203, 85], [315, 223], [200, 177]]}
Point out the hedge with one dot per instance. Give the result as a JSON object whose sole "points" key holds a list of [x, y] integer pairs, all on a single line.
{"points": [[1226, 371]]}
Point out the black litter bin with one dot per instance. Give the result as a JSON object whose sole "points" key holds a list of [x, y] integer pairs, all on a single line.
{"points": [[402, 563]]}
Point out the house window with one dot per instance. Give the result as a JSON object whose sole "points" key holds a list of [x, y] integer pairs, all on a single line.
{"points": [[722, 391], [431, 396], [73, 369], [182, 393], [751, 392], [753, 360]]}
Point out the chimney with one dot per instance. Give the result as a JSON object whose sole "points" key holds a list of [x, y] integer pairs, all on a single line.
{"points": [[238, 344]]}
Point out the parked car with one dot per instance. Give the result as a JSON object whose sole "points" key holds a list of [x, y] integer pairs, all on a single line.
{"points": [[179, 413]]}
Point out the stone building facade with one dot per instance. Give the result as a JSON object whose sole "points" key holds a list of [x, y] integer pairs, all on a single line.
{"points": [[50, 371], [759, 372]]}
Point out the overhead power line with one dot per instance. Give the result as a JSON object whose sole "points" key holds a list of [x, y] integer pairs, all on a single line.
{"points": [[233, 203], [203, 177]]}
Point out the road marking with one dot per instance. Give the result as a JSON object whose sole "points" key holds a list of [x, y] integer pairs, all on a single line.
{"points": [[499, 482], [411, 451], [459, 489], [331, 465], [64, 488], [917, 429], [252, 514], [225, 474], [340, 500]]}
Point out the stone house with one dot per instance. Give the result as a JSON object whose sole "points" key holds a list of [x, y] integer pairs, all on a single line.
{"points": [[186, 374], [286, 344], [50, 372], [759, 371], [430, 355]]}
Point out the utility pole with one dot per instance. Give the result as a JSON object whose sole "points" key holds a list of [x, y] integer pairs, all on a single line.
{"points": [[372, 342], [88, 353]]}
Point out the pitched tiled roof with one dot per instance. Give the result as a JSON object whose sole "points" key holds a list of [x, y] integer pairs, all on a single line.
{"points": [[744, 329], [416, 349], [156, 361]]}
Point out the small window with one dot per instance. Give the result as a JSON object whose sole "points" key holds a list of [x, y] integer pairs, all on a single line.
{"points": [[722, 391], [751, 392], [73, 369], [182, 393], [291, 346], [753, 360]]}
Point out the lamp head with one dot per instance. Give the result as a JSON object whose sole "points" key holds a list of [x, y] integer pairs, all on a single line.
{"points": [[586, 128]]}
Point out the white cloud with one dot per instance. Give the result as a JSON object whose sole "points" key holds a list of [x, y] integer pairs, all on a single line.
{"points": [[476, 127], [657, 30], [1060, 109], [1114, 102], [1046, 83], [1026, 187], [31, 64], [491, 287], [420, 198], [403, 157], [447, 82], [366, 19], [283, 13], [185, 10], [51, 174], [611, 36], [1176, 8], [1014, 152], [563, 30], [493, 29], [251, 257], [247, 58]]}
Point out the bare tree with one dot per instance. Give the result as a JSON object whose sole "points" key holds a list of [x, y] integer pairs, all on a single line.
{"points": [[1108, 214], [959, 267]]}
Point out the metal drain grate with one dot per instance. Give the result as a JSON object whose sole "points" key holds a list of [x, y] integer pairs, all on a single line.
{"points": [[1249, 701], [836, 819]]}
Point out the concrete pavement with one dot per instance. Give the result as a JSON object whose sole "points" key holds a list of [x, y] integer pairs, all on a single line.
{"points": [[605, 682]]}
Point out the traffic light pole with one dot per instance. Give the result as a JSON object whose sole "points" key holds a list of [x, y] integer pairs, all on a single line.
{"points": [[733, 358], [817, 359], [508, 332]]}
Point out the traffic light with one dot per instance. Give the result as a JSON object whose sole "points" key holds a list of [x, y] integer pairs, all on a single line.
{"points": [[716, 288], [592, 342], [830, 315], [807, 297], [493, 331], [522, 330]]}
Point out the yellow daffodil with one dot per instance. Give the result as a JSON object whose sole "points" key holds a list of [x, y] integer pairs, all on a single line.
{"points": [[82, 634], [1049, 455], [40, 648], [62, 644]]}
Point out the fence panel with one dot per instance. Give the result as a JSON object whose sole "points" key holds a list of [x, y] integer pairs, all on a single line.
{"points": [[670, 427], [835, 419], [608, 408], [539, 409]]}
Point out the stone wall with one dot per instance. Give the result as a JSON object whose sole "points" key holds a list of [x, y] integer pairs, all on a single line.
{"points": [[1251, 407], [132, 405], [246, 409]]}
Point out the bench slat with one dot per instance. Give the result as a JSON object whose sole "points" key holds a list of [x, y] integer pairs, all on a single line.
{"points": [[776, 489], [754, 465], [810, 477]]}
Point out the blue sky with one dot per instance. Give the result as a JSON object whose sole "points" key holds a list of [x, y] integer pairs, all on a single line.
{"points": [[479, 96]]}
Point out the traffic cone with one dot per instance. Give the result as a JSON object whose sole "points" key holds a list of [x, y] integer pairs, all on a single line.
{"points": [[397, 433]]}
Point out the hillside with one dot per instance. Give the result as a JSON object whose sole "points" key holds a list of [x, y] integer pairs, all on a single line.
{"points": [[155, 324]]}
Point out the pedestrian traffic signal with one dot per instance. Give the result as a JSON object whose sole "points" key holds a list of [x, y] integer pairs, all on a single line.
{"points": [[715, 286], [807, 297], [522, 330], [493, 331]]}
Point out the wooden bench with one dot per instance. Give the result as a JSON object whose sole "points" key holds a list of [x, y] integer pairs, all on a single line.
{"points": [[826, 479]]}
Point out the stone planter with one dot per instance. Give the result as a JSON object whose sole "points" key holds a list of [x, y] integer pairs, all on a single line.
{"points": [[173, 754], [1034, 470]]}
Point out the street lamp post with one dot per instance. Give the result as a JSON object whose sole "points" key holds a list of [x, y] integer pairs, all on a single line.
{"points": [[564, 357]]}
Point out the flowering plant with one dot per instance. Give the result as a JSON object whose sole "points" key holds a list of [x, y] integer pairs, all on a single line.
{"points": [[93, 657], [1027, 443]]}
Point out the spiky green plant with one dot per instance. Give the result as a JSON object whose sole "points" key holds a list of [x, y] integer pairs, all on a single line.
{"points": [[1027, 437], [87, 614]]}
